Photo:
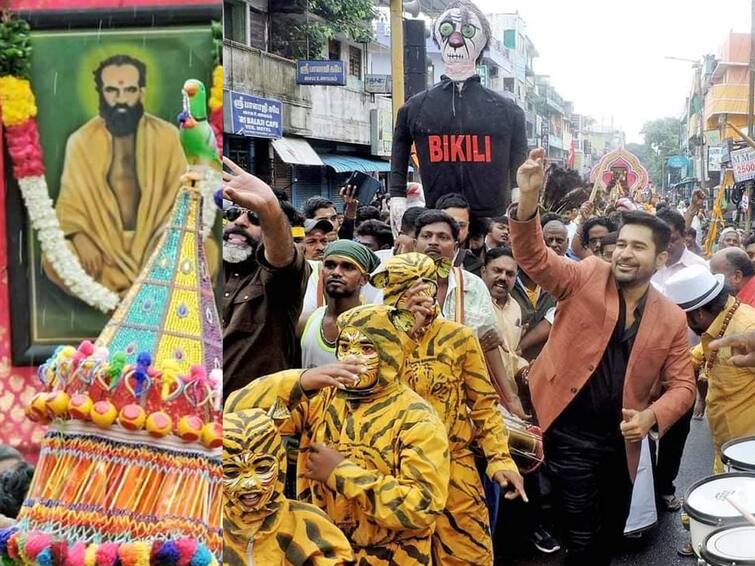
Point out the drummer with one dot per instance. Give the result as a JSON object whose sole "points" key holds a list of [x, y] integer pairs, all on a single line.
{"points": [[713, 313]]}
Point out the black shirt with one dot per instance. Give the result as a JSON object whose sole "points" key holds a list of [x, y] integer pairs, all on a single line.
{"points": [[595, 413], [469, 141], [261, 307]]}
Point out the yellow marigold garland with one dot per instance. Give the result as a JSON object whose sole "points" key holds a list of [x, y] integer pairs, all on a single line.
{"points": [[17, 101], [216, 91]]}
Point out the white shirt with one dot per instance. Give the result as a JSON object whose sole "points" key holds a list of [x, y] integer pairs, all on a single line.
{"points": [[661, 276], [314, 351], [478, 304], [688, 259]]}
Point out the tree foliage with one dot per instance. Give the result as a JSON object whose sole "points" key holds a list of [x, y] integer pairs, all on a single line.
{"points": [[662, 139], [301, 37]]}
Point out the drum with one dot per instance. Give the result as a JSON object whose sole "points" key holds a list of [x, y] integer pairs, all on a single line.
{"points": [[738, 455], [708, 509], [730, 546], [525, 442]]}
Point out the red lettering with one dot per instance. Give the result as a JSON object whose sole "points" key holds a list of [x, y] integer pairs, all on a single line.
{"points": [[445, 148], [488, 153], [436, 153], [457, 153], [476, 151], [469, 147]]}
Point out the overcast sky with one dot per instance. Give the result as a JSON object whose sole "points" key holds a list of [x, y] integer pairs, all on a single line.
{"points": [[608, 57]]}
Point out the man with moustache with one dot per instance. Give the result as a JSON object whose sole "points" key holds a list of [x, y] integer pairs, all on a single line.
{"points": [[120, 179], [346, 268], [616, 365], [265, 280]]}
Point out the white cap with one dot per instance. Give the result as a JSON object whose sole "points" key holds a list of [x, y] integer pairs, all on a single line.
{"points": [[694, 287]]}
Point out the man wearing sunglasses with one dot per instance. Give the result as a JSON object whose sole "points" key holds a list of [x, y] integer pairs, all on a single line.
{"points": [[265, 280]]}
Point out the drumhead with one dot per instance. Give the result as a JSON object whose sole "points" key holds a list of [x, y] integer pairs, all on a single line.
{"points": [[706, 502], [739, 453], [730, 546]]}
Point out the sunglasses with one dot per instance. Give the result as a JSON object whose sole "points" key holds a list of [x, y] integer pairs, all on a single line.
{"points": [[234, 213]]}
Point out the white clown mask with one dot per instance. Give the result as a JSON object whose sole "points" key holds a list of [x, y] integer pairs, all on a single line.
{"points": [[462, 32]]}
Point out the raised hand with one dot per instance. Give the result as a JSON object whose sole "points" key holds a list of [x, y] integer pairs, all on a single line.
{"points": [[531, 175], [246, 190]]}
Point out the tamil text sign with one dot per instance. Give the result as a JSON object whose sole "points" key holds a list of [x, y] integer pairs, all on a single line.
{"points": [[320, 73], [256, 117]]}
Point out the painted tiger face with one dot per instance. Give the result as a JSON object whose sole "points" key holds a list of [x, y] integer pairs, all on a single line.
{"points": [[249, 480], [354, 345], [376, 334], [253, 464]]}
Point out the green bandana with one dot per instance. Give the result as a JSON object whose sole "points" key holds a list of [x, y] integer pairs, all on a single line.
{"points": [[360, 255]]}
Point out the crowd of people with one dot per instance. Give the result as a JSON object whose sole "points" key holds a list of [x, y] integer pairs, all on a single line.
{"points": [[395, 369]]}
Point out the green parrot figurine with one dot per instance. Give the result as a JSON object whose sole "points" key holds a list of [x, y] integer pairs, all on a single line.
{"points": [[197, 137]]}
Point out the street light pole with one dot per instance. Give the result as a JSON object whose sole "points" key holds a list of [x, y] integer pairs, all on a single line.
{"points": [[397, 55], [750, 109]]}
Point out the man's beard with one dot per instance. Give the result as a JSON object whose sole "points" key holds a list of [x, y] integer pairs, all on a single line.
{"points": [[118, 123], [236, 252]]}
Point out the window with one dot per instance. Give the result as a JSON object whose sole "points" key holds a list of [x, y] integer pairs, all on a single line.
{"points": [[234, 22], [334, 50], [509, 38], [508, 84], [355, 62], [258, 26]]}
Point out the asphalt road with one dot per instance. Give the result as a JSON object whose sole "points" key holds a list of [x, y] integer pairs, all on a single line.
{"points": [[658, 546]]}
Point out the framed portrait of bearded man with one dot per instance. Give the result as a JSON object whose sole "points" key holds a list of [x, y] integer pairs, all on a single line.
{"points": [[108, 101]]}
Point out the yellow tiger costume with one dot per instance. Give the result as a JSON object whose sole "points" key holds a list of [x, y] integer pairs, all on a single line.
{"points": [[388, 492], [260, 526], [448, 370]]}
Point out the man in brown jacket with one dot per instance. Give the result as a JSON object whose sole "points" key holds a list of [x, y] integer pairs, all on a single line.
{"points": [[616, 365]]}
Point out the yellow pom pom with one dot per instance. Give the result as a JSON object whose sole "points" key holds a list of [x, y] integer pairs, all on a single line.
{"points": [[216, 91], [17, 100], [142, 551], [67, 353], [90, 555]]}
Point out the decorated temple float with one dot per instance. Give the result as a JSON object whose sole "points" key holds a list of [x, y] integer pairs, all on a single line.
{"points": [[618, 174]]}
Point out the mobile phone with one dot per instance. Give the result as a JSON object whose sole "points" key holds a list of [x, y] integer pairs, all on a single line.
{"points": [[366, 186]]}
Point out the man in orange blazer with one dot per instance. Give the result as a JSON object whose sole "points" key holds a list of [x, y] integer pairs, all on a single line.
{"points": [[616, 366]]}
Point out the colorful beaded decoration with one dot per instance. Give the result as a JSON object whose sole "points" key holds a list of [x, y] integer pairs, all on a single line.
{"points": [[130, 469]]}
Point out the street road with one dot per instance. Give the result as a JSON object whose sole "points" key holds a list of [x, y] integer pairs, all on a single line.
{"points": [[658, 547]]}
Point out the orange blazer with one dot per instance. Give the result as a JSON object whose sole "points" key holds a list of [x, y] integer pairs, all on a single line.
{"points": [[659, 371]]}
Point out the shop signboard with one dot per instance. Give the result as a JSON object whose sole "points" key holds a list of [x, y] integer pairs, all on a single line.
{"points": [[329, 72], [482, 70], [256, 117], [715, 153], [378, 84], [743, 163], [381, 132]]}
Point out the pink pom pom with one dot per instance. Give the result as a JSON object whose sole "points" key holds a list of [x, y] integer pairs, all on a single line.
{"points": [[198, 372], [186, 549], [107, 554], [36, 543], [76, 555], [86, 348]]}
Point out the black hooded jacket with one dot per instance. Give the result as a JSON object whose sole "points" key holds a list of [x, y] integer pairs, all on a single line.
{"points": [[469, 141]]}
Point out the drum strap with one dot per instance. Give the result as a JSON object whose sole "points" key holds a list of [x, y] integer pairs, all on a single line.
{"points": [[459, 296]]}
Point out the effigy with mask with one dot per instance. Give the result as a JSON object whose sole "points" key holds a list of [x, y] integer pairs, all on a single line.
{"points": [[391, 487], [469, 139]]}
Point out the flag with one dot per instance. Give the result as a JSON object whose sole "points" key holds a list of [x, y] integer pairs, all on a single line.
{"points": [[570, 161]]}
